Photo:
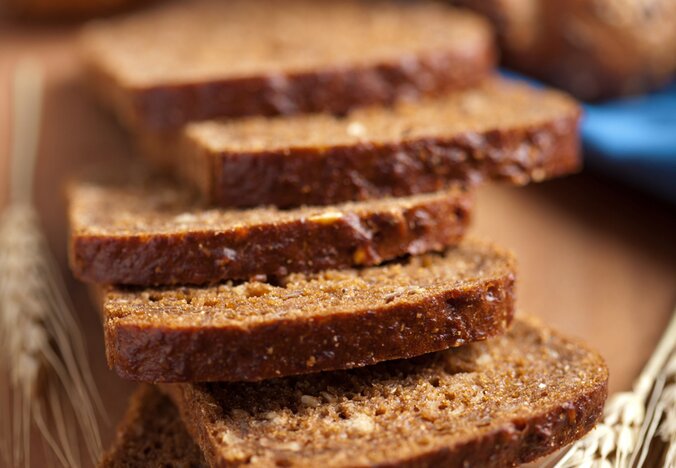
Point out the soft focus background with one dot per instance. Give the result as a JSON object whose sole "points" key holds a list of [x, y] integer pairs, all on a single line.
{"points": [[597, 251]]}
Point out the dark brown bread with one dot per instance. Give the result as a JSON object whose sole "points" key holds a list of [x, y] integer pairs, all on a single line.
{"points": [[497, 403], [595, 49], [147, 231], [499, 130], [60, 10], [152, 435], [204, 59], [334, 319]]}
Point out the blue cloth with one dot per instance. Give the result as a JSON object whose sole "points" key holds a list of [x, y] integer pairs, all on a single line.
{"points": [[634, 139]]}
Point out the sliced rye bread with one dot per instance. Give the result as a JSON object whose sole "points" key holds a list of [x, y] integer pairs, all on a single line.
{"points": [[149, 231], [151, 434], [334, 319], [505, 401], [499, 130], [197, 60]]}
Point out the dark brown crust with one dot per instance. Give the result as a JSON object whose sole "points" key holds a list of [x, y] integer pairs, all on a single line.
{"points": [[271, 249], [524, 440], [300, 346], [321, 176], [198, 427], [334, 90]]}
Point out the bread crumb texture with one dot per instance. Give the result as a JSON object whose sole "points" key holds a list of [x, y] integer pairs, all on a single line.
{"points": [[465, 270], [525, 394], [495, 105], [239, 38]]}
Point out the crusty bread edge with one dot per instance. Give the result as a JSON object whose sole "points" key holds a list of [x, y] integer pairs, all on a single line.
{"points": [[448, 318], [358, 239], [166, 107], [321, 176], [522, 441]]}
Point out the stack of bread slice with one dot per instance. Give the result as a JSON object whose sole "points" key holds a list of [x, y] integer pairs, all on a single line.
{"points": [[289, 269]]}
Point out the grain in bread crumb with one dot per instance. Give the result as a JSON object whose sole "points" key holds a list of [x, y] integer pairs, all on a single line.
{"points": [[326, 217], [356, 129], [311, 401], [360, 423], [432, 401]]}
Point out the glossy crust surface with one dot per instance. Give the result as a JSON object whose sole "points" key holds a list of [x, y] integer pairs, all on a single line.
{"points": [[332, 320], [503, 402], [153, 233], [499, 130]]}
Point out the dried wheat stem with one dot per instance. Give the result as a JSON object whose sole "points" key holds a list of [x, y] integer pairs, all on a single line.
{"points": [[41, 349], [661, 420], [617, 440], [26, 112], [39, 343]]}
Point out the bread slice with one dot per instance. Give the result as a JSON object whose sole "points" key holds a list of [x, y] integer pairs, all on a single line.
{"points": [[499, 130], [197, 60], [148, 231], [334, 319], [152, 434], [497, 403]]}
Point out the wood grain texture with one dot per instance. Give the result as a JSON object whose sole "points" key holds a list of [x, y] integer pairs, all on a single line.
{"points": [[596, 259]]}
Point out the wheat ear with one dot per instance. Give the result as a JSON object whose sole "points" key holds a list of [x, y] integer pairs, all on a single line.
{"points": [[619, 438], [50, 385]]}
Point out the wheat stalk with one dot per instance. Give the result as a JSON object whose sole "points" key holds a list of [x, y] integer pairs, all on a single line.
{"points": [[667, 431], [618, 440], [42, 353], [661, 420]]}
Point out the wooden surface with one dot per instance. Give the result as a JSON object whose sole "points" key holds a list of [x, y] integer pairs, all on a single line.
{"points": [[597, 260]]}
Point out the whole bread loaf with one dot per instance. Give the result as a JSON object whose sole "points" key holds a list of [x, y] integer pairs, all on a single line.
{"points": [[197, 60], [499, 130], [149, 231], [334, 319], [497, 403], [596, 49]]}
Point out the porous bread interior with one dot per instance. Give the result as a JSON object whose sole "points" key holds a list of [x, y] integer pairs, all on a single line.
{"points": [[242, 38], [497, 104], [149, 205], [304, 296], [397, 410]]}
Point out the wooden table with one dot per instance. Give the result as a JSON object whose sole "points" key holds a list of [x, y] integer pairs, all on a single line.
{"points": [[597, 260]]}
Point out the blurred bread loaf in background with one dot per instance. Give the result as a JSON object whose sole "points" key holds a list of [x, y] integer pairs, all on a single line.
{"points": [[596, 49]]}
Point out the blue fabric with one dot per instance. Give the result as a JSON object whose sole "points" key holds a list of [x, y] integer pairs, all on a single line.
{"points": [[633, 139]]}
